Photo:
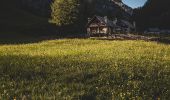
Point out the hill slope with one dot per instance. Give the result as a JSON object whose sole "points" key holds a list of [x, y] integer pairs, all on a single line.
{"points": [[15, 20], [155, 13], [31, 15]]}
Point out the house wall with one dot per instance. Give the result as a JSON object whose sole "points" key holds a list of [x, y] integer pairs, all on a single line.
{"points": [[97, 30]]}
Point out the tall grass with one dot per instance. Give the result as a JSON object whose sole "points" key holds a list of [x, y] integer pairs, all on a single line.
{"points": [[85, 69]]}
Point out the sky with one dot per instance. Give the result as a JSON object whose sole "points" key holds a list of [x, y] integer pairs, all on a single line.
{"points": [[134, 3]]}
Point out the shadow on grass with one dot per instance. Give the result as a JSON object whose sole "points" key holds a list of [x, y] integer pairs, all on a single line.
{"points": [[32, 73], [27, 39], [20, 39]]}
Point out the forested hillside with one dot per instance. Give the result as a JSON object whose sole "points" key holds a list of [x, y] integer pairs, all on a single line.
{"points": [[70, 15], [14, 20], [155, 13]]}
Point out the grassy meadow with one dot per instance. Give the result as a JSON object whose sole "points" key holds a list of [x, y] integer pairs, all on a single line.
{"points": [[85, 69]]}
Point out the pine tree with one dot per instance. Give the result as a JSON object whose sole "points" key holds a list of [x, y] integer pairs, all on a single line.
{"points": [[64, 12]]}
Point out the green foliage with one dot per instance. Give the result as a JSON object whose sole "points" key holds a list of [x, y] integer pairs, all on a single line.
{"points": [[71, 15], [64, 12], [85, 69], [68, 12]]}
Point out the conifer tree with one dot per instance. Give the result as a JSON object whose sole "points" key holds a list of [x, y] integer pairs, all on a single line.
{"points": [[64, 12]]}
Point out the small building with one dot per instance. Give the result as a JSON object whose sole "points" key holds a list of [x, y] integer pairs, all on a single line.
{"points": [[102, 26], [99, 26], [126, 26]]}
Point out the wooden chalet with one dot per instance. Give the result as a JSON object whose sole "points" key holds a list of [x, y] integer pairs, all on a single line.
{"points": [[99, 26]]}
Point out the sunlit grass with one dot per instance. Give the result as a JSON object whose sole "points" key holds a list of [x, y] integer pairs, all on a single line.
{"points": [[85, 69]]}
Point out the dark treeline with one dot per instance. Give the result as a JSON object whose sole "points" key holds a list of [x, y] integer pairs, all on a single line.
{"points": [[70, 16], [154, 14]]}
